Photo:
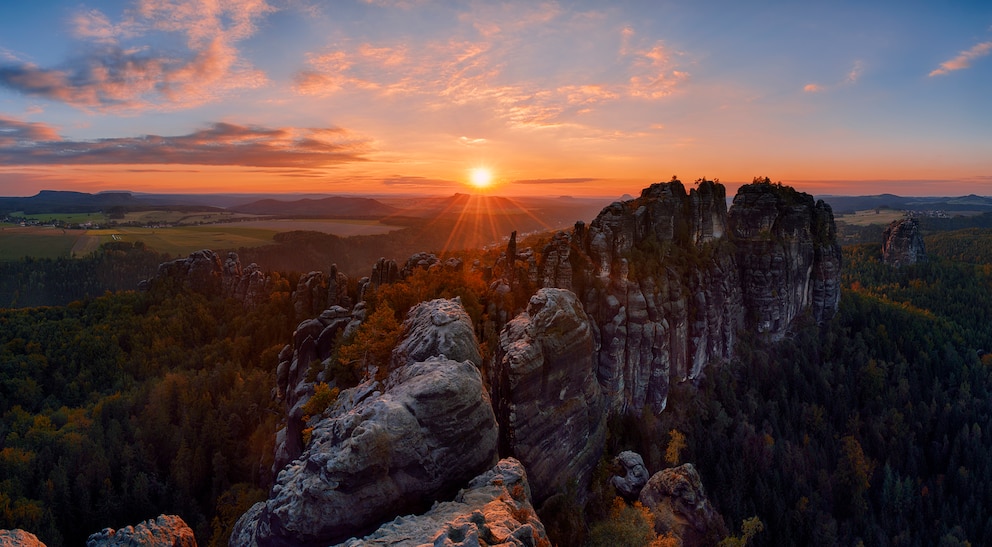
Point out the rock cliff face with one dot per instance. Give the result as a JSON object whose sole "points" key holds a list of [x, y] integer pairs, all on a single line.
{"points": [[902, 243], [550, 407], [384, 452], [670, 278], [676, 498], [788, 256], [494, 509], [164, 531]]}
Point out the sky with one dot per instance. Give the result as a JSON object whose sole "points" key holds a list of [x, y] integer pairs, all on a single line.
{"points": [[553, 98]]}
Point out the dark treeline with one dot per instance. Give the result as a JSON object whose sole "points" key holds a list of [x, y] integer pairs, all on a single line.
{"points": [[56, 282]]}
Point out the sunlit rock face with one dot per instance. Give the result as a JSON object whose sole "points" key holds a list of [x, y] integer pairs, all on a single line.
{"points": [[19, 538], [164, 531], [493, 509], [788, 256], [676, 498], [551, 409], [902, 243], [386, 449]]}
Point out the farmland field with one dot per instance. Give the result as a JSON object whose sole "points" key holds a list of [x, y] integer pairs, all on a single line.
{"points": [[47, 242], [869, 217]]}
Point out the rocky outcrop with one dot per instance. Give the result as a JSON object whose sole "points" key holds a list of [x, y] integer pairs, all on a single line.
{"points": [[634, 475], [670, 278], [204, 272], [19, 538], [902, 243], [551, 409], [676, 498], [317, 291], [164, 531], [788, 256], [494, 509], [386, 449]]}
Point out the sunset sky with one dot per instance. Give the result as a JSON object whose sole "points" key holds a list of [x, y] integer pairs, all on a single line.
{"points": [[577, 98]]}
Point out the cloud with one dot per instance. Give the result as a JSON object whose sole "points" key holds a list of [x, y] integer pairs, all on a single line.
{"points": [[505, 60], [226, 144], [469, 141], [117, 68], [419, 182], [578, 180], [963, 60], [850, 78]]}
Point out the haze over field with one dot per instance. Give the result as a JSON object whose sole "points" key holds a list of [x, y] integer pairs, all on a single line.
{"points": [[514, 98]]}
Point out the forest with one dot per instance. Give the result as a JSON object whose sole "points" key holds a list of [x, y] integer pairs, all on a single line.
{"points": [[873, 429]]}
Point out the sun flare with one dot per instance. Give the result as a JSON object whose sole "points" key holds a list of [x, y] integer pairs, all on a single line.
{"points": [[481, 177]]}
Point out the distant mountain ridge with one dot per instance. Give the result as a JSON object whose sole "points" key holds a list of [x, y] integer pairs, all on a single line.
{"points": [[850, 204]]}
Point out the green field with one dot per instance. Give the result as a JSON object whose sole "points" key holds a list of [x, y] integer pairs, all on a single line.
{"points": [[71, 218], [869, 217], [17, 242]]}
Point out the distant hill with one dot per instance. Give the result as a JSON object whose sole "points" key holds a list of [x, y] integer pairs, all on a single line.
{"points": [[850, 204], [54, 201], [327, 207]]}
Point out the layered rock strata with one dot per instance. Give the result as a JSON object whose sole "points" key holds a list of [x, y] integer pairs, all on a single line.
{"points": [[551, 409], [902, 243], [494, 509], [671, 278]]}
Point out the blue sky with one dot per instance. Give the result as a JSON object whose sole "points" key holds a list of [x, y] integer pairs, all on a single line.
{"points": [[582, 98]]}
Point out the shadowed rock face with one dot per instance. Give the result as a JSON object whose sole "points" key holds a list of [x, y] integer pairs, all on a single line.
{"points": [[550, 406], [205, 273], [788, 256], [676, 498], [164, 531], [669, 279], [902, 243], [385, 453], [494, 509]]}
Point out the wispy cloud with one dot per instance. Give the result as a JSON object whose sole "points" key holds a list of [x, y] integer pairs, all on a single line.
{"points": [[964, 59], [119, 69], [23, 143], [494, 60], [850, 78]]}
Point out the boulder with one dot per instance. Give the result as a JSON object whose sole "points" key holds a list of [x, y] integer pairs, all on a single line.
{"points": [[19, 538], [902, 243], [494, 509], [551, 410], [634, 477], [676, 498], [164, 531], [439, 327]]}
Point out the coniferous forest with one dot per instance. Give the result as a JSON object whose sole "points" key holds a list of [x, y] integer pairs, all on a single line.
{"points": [[875, 428]]}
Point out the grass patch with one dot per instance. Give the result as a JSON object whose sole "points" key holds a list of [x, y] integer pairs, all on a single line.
{"points": [[17, 242], [869, 217]]}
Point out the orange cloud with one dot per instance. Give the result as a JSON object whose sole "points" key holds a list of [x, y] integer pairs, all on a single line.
{"points": [[812, 88], [963, 60]]}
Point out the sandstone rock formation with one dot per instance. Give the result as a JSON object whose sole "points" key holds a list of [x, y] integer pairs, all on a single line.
{"points": [[676, 498], [317, 291], [19, 538], [386, 451], [164, 531], [494, 509], [667, 292], [902, 243], [550, 407], [204, 272], [788, 256], [634, 476]]}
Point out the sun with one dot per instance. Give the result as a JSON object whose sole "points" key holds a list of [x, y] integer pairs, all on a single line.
{"points": [[481, 177]]}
